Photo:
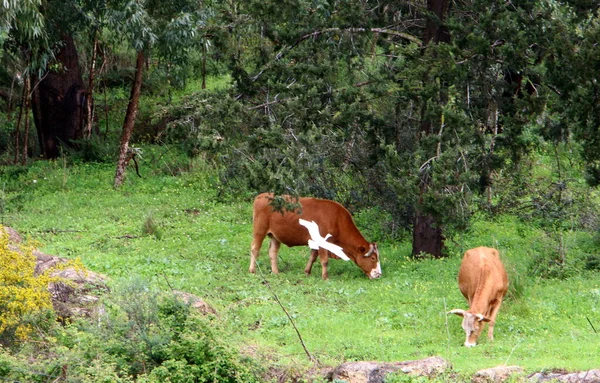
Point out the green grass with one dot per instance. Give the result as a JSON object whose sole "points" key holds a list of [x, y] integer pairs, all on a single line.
{"points": [[200, 245]]}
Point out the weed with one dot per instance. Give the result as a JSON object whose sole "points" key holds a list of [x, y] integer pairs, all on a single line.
{"points": [[150, 227]]}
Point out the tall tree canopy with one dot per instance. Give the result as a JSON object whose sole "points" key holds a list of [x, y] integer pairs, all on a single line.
{"points": [[416, 107]]}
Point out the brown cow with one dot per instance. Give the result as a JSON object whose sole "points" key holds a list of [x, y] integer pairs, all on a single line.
{"points": [[483, 282], [331, 218]]}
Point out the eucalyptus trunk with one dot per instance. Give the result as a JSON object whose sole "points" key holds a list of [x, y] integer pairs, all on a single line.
{"points": [[125, 155], [58, 102]]}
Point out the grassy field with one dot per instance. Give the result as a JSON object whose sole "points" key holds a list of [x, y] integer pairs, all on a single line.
{"points": [[193, 243]]}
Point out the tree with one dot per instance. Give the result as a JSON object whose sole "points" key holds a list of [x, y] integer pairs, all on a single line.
{"points": [[427, 233], [138, 21]]}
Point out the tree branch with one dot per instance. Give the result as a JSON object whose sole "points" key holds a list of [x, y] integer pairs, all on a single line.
{"points": [[283, 51]]}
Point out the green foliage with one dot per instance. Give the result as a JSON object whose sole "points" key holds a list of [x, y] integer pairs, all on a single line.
{"points": [[93, 149], [143, 336]]}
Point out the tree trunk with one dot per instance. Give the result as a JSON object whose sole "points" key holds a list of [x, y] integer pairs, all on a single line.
{"points": [[428, 236], [90, 98], [435, 30], [17, 133], [132, 109], [26, 101], [58, 102], [203, 69]]}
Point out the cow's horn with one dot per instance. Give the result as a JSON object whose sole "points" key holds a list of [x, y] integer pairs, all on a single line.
{"points": [[371, 249], [460, 312], [480, 317]]}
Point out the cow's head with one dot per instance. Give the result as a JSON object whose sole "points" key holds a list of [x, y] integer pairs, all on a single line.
{"points": [[472, 324], [368, 261]]}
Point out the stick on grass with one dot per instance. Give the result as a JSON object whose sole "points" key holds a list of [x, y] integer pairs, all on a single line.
{"points": [[310, 356]]}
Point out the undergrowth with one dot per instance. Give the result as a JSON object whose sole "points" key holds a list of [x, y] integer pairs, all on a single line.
{"points": [[169, 230]]}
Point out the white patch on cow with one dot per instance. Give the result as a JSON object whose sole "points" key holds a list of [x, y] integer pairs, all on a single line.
{"points": [[376, 272], [317, 240]]}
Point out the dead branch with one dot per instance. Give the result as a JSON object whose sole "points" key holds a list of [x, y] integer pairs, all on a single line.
{"points": [[311, 357]]}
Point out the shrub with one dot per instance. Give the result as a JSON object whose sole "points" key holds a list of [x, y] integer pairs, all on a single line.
{"points": [[553, 261], [23, 295], [148, 336], [151, 227]]}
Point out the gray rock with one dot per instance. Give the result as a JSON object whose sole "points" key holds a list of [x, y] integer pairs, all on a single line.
{"points": [[497, 374], [375, 372], [590, 376]]}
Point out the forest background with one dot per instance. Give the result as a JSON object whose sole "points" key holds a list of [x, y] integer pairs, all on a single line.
{"points": [[427, 119]]}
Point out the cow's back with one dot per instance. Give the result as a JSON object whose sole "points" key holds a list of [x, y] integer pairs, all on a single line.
{"points": [[482, 272], [332, 218]]}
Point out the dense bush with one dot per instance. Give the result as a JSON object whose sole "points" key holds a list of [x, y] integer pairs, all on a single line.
{"points": [[142, 336]]}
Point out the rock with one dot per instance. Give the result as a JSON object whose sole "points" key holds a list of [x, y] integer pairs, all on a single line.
{"points": [[591, 376], [78, 292], [375, 372], [195, 302], [425, 367], [13, 236], [496, 374]]}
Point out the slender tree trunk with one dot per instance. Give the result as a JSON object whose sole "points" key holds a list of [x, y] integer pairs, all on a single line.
{"points": [[428, 236], [17, 133], [132, 109], [203, 69], [90, 95], [26, 101]]}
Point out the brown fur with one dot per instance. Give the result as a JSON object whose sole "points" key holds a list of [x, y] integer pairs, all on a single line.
{"points": [[483, 281], [332, 218]]}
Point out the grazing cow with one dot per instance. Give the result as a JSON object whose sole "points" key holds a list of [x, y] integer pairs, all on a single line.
{"points": [[483, 282], [331, 218]]}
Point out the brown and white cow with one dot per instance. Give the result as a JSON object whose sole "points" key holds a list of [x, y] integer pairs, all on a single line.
{"points": [[483, 282], [331, 218]]}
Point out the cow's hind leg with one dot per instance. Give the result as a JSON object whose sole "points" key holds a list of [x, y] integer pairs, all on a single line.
{"points": [[311, 259], [273, 250], [324, 262], [255, 251]]}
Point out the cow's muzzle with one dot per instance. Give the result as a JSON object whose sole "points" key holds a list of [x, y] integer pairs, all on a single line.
{"points": [[376, 272]]}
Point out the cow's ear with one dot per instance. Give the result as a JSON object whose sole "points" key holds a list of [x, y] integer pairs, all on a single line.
{"points": [[458, 312]]}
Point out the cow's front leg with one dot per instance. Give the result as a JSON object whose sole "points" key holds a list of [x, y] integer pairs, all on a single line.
{"points": [[492, 317], [324, 261], [273, 250], [311, 259]]}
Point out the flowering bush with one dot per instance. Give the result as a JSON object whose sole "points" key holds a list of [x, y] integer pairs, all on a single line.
{"points": [[23, 295]]}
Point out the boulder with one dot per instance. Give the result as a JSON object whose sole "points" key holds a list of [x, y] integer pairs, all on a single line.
{"points": [[79, 290], [497, 374], [195, 302], [590, 376], [375, 372]]}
